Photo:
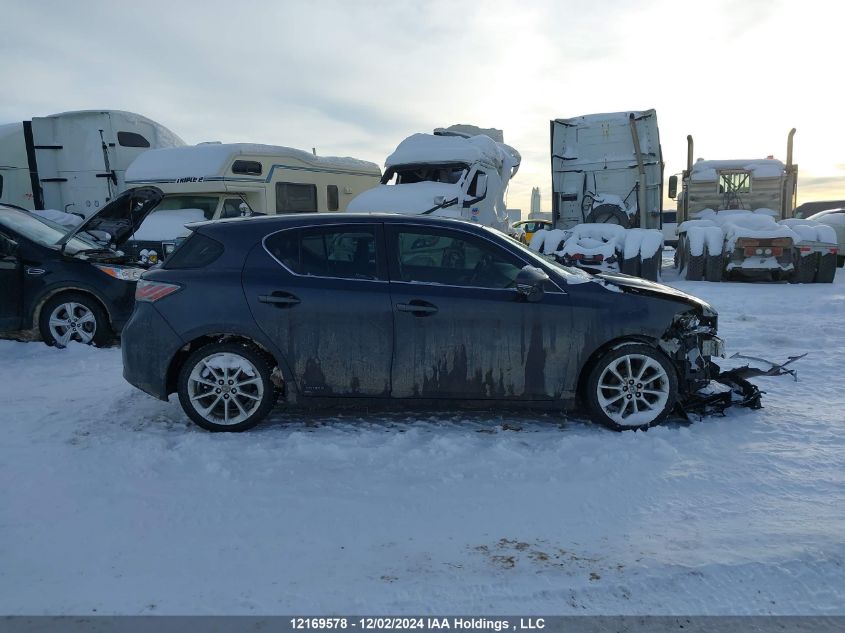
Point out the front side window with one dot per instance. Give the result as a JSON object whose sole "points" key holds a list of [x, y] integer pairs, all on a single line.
{"points": [[452, 258], [346, 252], [232, 208], [296, 198]]}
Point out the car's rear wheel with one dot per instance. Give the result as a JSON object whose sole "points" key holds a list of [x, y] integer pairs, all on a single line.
{"points": [[633, 386], [74, 317], [226, 387]]}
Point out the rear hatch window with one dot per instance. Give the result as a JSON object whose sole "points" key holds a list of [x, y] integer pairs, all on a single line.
{"points": [[197, 251]]}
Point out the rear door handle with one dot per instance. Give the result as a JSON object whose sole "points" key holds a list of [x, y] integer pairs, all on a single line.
{"points": [[280, 299], [417, 308]]}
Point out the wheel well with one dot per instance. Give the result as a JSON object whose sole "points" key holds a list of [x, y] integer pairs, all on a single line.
{"points": [[179, 359], [36, 313], [601, 351]]}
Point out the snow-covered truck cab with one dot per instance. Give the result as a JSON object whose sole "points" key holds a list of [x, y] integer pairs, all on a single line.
{"points": [[736, 219], [458, 172], [74, 161], [607, 192], [213, 181]]}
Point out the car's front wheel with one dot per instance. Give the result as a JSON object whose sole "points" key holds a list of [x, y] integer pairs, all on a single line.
{"points": [[226, 387], [74, 316], [632, 386]]}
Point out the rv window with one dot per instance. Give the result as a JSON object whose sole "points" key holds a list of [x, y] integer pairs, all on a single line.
{"points": [[296, 198], [251, 167], [131, 139], [333, 202]]}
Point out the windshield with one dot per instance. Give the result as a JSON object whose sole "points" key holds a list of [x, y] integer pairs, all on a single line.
{"points": [[41, 231], [570, 274], [450, 173]]}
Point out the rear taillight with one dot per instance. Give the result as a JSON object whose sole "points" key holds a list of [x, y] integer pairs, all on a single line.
{"points": [[151, 291]]}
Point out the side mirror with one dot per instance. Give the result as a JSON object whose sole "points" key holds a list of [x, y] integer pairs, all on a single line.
{"points": [[673, 187], [8, 248], [480, 185], [529, 283]]}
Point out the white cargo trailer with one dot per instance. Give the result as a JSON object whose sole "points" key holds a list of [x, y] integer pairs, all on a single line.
{"points": [[74, 161]]}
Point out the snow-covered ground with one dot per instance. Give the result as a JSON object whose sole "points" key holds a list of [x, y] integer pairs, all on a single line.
{"points": [[111, 502]]}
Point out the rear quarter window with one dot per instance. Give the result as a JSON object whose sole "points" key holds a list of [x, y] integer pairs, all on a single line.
{"points": [[197, 251]]}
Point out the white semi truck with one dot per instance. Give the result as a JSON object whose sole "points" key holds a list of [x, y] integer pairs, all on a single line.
{"points": [[607, 193], [74, 161], [736, 219], [459, 172]]}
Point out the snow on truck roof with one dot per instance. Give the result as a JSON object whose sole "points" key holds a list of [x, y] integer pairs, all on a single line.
{"points": [[759, 168], [209, 159], [436, 149], [605, 117]]}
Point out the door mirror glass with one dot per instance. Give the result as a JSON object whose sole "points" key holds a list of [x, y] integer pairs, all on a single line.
{"points": [[673, 187], [530, 282]]}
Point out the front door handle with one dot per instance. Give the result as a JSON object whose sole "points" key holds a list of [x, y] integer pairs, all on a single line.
{"points": [[280, 299], [417, 308]]}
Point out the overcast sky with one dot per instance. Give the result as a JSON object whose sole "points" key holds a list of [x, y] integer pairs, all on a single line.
{"points": [[355, 78]]}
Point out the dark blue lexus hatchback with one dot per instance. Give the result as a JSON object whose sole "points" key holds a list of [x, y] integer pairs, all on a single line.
{"points": [[316, 309]]}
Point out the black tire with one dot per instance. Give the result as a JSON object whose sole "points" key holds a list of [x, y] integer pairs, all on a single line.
{"points": [[826, 270], [840, 261], [680, 254], [264, 396], [805, 269], [713, 267], [630, 266], [650, 267], [600, 373], [609, 214], [695, 267], [88, 322]]}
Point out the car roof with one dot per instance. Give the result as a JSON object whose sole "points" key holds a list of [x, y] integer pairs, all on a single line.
{"points": [[269, 223]]}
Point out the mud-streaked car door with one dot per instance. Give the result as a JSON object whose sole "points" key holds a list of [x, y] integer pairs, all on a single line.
{"points": [[321, 295], [462, 329]]}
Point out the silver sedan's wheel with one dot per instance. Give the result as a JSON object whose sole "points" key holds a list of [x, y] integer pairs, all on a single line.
{"points": [[72, 321], [225, 388], [631, 387]]}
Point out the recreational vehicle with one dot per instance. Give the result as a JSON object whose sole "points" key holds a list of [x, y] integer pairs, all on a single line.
{"points": [[210, 181]]}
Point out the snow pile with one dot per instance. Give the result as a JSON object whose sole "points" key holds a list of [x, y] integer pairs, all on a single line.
{"points": [[69, 220], [590, 240], [759, 168], [212, 159], [411, 198], [436, 149], [167, 224], [548, 241], [811, 230], [643, 243]]}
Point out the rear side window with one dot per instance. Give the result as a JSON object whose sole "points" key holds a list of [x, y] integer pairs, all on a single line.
{"points": [[296, 198], [339, 252], [131, 139], [197, 251]]}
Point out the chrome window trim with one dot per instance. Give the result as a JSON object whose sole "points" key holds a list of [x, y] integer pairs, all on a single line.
{"points": [[389, 281]]}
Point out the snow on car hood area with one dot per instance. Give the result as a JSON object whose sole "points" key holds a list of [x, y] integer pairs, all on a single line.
{"points": [[112, 502]]}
